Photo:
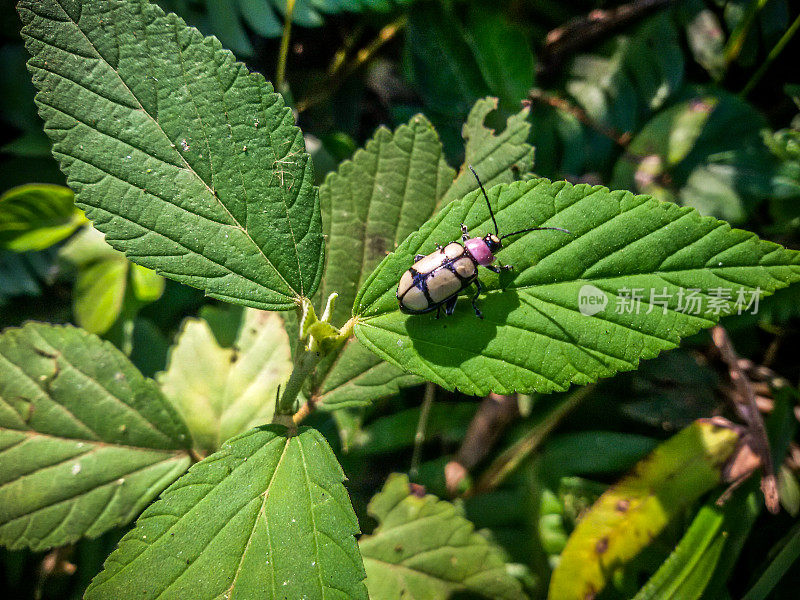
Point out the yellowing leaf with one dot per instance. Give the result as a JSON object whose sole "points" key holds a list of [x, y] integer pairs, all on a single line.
{"points": [[630, 514], [223, 391]]}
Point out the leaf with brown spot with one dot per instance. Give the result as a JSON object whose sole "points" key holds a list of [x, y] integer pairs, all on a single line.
{"points": [[673, 476]]}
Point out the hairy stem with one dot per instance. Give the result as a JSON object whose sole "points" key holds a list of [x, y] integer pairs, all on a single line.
{"points": [[304, 364]]}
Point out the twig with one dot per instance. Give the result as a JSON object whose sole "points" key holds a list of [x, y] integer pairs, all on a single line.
{"points": [[564, 105], [283, 54], [509, 460], [494, 414], [341, 70], [748, 410], [584, 31], [419, 436]]}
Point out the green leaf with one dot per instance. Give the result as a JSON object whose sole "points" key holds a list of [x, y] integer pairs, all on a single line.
{"points": [[625, 81], [107, 285], [99, 294], [706, 40], [265, 517], [534, 336], [503, 54], [387, 191], [787, 556], [36, 216], [358, 377], [496, 157], [226, 18], [705, 152], [424, 547], [87, 442], [632, 513], [188, 163], [370, 204], [24, 274], [147, 285], [588, 452], [222, 391], [687, 571], [396, 431], [439, 62]]}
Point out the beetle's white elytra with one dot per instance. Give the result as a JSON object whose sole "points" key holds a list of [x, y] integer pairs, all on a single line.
{"points": [[443, 283], [465, 267], [414, 299], [429, 263], [406, 281], [453, 250]]}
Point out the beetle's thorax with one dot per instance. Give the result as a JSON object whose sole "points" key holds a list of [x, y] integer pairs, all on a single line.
{"points": [[480, 251]]}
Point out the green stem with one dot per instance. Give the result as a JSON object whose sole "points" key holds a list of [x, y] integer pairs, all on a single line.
{"points": [[509, 460], [304, 364], [785, 38], [280, 73], [739, 34], [419, 437]]}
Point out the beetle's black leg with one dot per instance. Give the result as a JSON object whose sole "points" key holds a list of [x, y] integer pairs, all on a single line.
{"points": [[440, 248], [464, 233], [499, 268], [450, 306], [478, 290], [418, 257], [438, 311]]}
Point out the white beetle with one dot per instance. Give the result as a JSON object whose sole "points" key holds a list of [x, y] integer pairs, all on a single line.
{"points": [[436, 280]]}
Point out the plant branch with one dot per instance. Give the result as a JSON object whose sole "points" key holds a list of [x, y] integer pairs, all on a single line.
{"points": [[419, 436], [509, 460], [584, 31], [622, 139], [747, 408], [304, 364], [495, 413], [283, 55]]}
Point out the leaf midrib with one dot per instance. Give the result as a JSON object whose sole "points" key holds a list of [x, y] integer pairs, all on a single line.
{"points": [[94, 486], [576, 239], [261, 513], [366, 317], [29, 433], [182, 158]]}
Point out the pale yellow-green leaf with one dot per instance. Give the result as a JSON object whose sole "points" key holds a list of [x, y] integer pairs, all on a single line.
{"points": [[223, 391]]}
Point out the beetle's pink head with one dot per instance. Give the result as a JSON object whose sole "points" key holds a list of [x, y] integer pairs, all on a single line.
{"points": [[481, 248]]}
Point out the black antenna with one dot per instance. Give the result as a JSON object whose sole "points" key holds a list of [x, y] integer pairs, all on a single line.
{"points": [[535, 229], [489, 204]]}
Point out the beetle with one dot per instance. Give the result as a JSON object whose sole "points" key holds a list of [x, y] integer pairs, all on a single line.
{"points": [[434, 281]]}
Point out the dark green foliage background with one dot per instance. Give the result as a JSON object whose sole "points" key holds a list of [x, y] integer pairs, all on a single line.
{"points": [[654, 106]]}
